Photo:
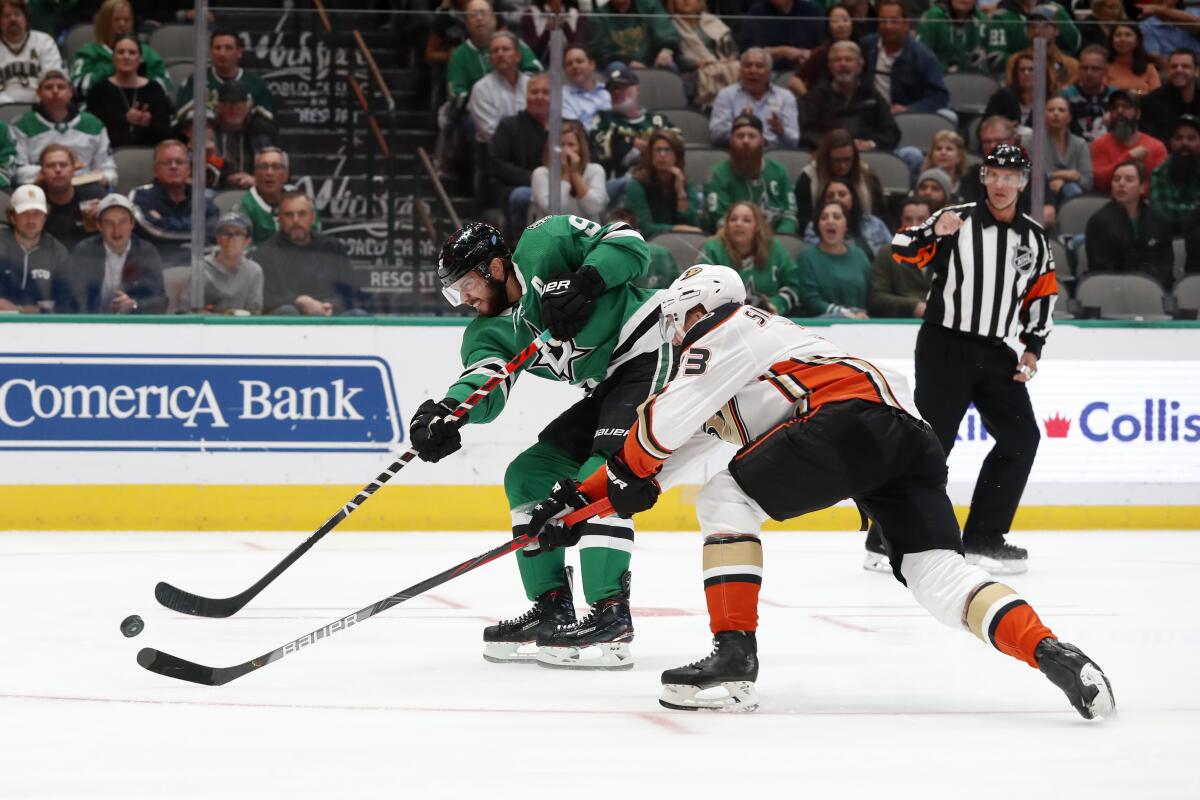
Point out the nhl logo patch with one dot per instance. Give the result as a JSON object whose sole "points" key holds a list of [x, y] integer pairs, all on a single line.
{"points": [[1022, 258]]}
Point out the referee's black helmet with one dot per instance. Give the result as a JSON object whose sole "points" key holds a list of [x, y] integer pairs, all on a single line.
{"points": [[1008, 156]]}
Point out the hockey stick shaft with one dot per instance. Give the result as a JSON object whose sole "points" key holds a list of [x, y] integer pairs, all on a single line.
{"points": [[188, 603], [181, 669]]}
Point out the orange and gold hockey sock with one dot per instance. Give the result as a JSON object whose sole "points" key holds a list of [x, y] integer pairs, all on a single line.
{"points": [[998, 616], [732, 577]]}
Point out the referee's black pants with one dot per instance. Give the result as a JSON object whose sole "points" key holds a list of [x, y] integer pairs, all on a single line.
{"points": [[954, 370]]}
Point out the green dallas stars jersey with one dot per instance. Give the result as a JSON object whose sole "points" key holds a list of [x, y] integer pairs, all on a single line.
{"points": [[624, 321]]}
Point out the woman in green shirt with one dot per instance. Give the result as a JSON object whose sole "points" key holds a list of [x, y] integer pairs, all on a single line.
{"points": [[660, 194], [94, 61], [746, 243], [835, 274]]}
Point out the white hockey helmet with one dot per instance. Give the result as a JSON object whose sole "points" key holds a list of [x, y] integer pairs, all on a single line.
{"points": [[708, 285]]}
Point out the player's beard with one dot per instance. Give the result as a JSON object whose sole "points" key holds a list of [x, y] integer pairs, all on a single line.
{"points": [[496, 302]]}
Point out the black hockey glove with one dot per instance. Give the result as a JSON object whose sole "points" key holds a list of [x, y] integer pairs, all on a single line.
{"points": [[628, 493], [431, 435], [567, 301], [551, 533]]}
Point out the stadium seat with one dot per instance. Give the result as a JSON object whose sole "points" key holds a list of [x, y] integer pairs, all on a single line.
{"points": [[179, 72], [917, 130], [135, 166], [1179, 246], [692, 124], [891, 171], [174, 42], [700, 162], [1121, 295], [1187, 294], [685, 248], [794, 161], [177, 281], [969, 92], [1064, 306], [10, 111], [1062, 263], [5, 202], [661, 88], [792, 243], [79, 35], [1074, 214], [228, 200]]}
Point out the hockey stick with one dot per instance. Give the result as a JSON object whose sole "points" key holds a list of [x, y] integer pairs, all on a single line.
{"points": [[177, 599], [181, 669]]}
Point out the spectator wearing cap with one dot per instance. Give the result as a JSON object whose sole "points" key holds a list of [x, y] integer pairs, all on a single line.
{"points": [[1123, 141], [845, 100], [237, 135], [134, 109], [1175, 183], [25, 56], [637, 33], [1042, 23], [470, 61], [1129, 66], [755, 95], [163, 209], [788, 29], [232, 282], [33, 266], [260, 203], [500, 93], [225, 66], [1177, 96], [1008, 30], [1128, 234], [1088, 95], [934, 187], [94, 61], [115, 272], [71, 209], [305, 273], [902, 69], [516, 151], [749, 176], [55, 120], [621, 135], [583, 95]]}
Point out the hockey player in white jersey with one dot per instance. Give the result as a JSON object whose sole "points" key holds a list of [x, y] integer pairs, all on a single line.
{"points": [[815, 425]]}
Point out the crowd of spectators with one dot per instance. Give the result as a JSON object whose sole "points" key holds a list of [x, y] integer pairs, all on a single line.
{"points": [[772, 76]]}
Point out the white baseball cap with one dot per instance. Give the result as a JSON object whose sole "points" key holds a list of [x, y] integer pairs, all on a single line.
{"points": [[29, 198], [114, 200]]}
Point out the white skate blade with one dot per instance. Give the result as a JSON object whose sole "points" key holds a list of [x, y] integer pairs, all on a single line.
{"points": [[612, 655], [1102, 705], [510, 652], [877, 562], [731, 697], [999, 566]]}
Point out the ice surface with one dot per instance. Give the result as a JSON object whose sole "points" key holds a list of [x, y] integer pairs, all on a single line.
{"points": [[863, 694]]}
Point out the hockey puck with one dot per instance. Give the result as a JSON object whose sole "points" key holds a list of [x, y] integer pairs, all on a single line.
{"points": [[132, 625]]}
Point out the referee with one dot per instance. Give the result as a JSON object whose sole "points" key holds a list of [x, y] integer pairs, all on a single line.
{"points": [[993, 278]]}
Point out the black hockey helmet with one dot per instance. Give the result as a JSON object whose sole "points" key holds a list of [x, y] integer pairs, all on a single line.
{"points": [[470, 248], [1008, 156]]}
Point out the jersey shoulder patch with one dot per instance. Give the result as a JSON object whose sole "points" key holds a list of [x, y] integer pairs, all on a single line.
{"points": [[710, 322]]}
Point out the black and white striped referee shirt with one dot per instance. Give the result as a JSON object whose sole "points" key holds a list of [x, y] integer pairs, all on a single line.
{"points": [[990, 279]]}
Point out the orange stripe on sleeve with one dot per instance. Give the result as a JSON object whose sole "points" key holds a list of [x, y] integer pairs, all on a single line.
{"points": [[595, 486], [1044, 286], [637, 458], [921, 259]]}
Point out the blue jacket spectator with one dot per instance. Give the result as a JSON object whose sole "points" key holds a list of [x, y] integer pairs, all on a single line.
{"points": [[114, 272], [901, 68], [163, 209], [754, 94], [784, 28]]}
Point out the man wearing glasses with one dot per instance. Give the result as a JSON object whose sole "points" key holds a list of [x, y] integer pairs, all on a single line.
{"points": [[233, 284], [993, 278], [260, 204], [163, 209]]}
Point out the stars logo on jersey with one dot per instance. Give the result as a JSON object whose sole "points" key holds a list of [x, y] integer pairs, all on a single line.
{"points": [[560, 360]]}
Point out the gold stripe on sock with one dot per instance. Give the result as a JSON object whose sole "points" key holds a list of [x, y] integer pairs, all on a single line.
{"points": [[983, 600], [719, 554]]}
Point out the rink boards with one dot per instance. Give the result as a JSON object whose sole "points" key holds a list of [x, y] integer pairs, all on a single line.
{"points": [[225, 424]]}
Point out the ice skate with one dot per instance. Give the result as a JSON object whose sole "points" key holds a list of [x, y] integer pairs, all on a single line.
{"points": [[598, 641], [516, 640], [1081, 679], [724, 681], [877, 558], [996, 556]]}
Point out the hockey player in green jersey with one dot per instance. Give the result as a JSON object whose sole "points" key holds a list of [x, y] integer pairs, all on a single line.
{"points": [[575, 278]]}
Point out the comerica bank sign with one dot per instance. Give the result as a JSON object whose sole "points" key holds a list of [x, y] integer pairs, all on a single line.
{"points": [[150, 402]]}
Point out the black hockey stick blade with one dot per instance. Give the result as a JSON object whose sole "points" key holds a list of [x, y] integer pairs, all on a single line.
{"points": [[184, 670]]}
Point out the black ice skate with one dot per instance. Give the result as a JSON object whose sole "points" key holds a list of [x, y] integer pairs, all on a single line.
{"points": [[515, 640], [598, 641], [877, 557], [1084, 683], [996, 556], [724, 681]]}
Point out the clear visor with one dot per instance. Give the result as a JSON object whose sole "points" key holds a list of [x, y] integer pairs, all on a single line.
{"points": [[1003, 177], [472, 283]]}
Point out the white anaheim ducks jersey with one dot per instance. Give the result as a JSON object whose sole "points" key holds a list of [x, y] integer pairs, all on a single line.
{"points": [[741, 373]]}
